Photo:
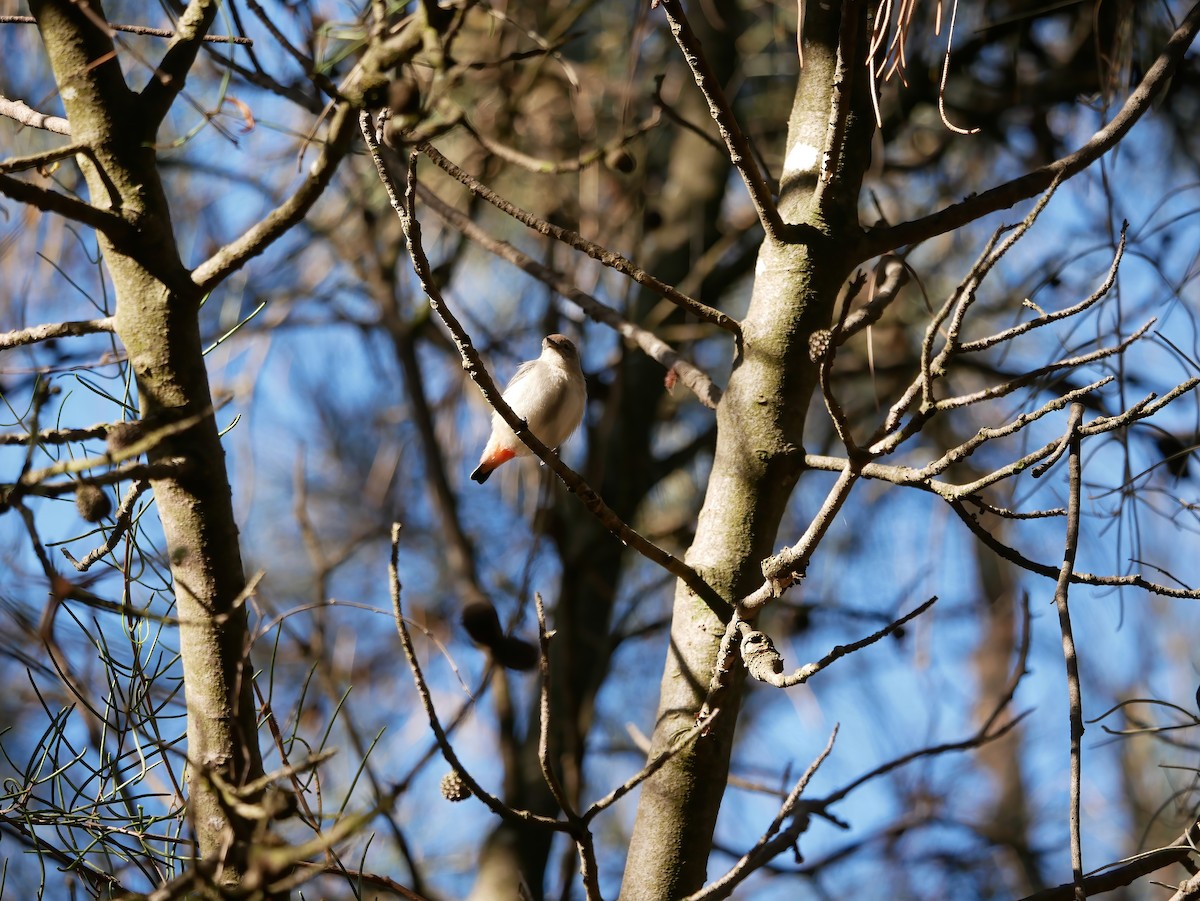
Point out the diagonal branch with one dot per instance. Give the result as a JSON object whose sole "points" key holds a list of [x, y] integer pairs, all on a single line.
{"points": [[650, 344], [1001, 197], [117, 229], [772, 841], [262, 234], [171, 73], [573, 239], [741, 155]]}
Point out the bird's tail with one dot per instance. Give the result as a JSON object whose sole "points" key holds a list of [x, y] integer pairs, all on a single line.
{"points": [[490, 460]]}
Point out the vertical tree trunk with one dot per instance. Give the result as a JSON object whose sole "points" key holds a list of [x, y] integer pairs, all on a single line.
{"points": [[759, 457], [157, 322]]}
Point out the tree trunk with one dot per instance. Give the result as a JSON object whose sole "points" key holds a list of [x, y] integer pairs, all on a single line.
{"points": [[759, 456], [158, 324]]}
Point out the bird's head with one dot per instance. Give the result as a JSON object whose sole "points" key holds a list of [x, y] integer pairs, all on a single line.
{"points": [[563, 346]]}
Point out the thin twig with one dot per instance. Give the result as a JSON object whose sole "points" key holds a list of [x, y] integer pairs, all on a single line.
{"points": [[1157, 76], [790, 564], [650, 344], [651, 767], [494, 804], [124, 518], [573, 239], [138, 29], [806, 672], [772, 840], [741, 154], [548, 774], [1074, 696]]}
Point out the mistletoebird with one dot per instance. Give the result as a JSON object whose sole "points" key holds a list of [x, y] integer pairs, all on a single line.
{"points": [[549, 394]]}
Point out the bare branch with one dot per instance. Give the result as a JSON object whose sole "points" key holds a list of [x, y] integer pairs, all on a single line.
{"points": [[494, 804], [44, 158], [124, 518], [736, 143], [1009, 333], [53, 330], [28, 116], [142, 30], [262, 234], [652, 766], [169, 76], [650, 344], [890, 276], [109, 223], [1003, 196], [1124, 872], [790, 564], [772, 841], [769, 666], [1061, 591], [573, 239]]}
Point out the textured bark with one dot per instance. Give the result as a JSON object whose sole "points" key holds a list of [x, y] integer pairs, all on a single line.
{"points": [[758, 461], [157, 322]]}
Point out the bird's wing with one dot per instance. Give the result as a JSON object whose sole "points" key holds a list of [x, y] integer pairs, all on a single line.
{"points": [[523, 370]]}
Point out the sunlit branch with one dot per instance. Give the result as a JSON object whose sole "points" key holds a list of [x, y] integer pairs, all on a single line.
{"points": [[478, 374], [772, 841], [1012, 555], [1022, 328], [25, 114], [651, 767], [790, 564], [548, 774], [918, 420], [1061, 591], [53, 330], [988, 731], [279, 221], [1003, 196], [584, 842], [124, 518], [890, 276], [57, 436], [650, 344], [737, 144], [845, 74], [984, 435], [769, 665], [141, 30], [1125, 872], [573, 239]]}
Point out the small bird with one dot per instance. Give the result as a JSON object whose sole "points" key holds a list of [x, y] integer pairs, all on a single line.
{"points": [[549, 394]]}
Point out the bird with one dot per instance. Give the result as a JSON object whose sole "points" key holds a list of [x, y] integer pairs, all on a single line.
{"points": [[549, 394]]}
